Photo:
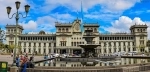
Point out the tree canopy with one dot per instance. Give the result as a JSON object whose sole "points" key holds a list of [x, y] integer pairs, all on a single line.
{"points": [[8, 48]]}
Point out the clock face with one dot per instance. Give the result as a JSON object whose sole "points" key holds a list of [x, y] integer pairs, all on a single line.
{"points": [[77, 27]]}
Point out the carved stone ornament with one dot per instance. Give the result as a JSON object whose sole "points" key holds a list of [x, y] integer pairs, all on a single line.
{"points": [[63, 38], [77, 27]]}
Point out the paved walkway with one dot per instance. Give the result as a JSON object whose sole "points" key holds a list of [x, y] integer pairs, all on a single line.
{"points": [[9, 59]]}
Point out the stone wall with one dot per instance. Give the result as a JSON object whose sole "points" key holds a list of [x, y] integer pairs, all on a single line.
{"points": [[127, 68]]}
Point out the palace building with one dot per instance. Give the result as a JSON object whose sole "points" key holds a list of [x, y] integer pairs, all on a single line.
{"points": [[69, 35]]}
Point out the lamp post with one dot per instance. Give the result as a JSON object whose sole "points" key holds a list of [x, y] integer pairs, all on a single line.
{"points": [[17, 18], [2, 34]]}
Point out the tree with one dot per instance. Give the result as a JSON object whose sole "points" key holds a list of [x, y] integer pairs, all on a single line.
{"points": [[10, 48], [2, 46]]}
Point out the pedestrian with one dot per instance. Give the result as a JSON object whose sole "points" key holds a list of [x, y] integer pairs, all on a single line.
{"points": [[24, 65], [17, 61], [11, 54]]}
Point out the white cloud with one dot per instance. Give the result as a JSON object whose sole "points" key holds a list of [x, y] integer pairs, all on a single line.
{"points": [[104, 17], [31, 25], [123, 24], [46, 23], [63, 17], [113, 5], [108, 10]]}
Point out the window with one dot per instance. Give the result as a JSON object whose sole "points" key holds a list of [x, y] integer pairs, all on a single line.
{"points": [[59, 30], [105, 50], [49, 44], [124, 49], [128, 43], [62, 43], [104, 43], [143, 30], [39, 44], [44, 44], [109, 50], [95, 30], [133, 43], [115, 49], [124, 44], [63, 30], [44, 50], [109, 43], [29, 44], [141, 42], [114, 44], [128, 49], [141, 37], [24, 50], [66, 29]]}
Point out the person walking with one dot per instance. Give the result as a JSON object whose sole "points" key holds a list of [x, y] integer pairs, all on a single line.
{"points": [[17, 61], [24, 65]]}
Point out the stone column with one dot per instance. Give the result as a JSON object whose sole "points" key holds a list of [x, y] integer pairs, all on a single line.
{"points": [[69, 51], [82, 50], [56, 51], [13, 69], [97, 51], [52, 48], [59, 51]]}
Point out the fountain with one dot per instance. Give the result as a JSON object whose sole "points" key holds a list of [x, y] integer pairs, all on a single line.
{"points": [[89, 47]]}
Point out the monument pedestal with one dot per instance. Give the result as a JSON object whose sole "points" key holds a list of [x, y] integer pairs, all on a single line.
{"points": [[14, 69]]}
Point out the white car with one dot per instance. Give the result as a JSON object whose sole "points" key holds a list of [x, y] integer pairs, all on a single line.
{"points": [[56, 55]]}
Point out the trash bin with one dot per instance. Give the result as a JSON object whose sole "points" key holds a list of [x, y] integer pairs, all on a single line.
{"points": [[3, 66]]}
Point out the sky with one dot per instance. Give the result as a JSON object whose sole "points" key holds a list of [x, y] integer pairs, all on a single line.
{"points": [[112, 15]]}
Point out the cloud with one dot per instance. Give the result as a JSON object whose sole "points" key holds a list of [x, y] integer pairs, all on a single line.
{"points": [[123, 24], [118, 5], [46, 23], [108, 17], [31, 25], [107, 10], [148, 11]]}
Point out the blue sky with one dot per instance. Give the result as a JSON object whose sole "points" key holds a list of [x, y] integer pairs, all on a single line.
{"points": [[112, 15]]}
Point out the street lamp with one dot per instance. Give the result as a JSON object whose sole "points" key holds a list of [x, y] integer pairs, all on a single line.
{"points": [[17, 18]]}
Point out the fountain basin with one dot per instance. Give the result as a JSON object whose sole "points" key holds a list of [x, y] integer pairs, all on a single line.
{"points": [[89, 46]]}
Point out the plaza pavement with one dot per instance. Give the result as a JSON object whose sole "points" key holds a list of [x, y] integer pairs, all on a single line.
{"points": [[9, 59]]}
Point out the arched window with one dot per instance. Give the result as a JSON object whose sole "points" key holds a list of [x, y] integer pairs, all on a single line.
{"points": [[63, 30], [66, 29], [95, 30], [59, 30]]}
